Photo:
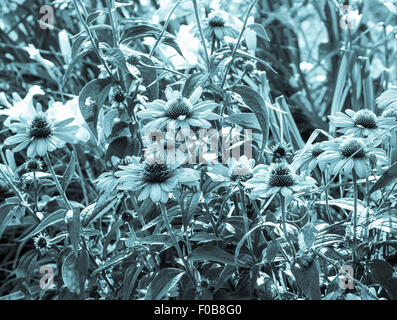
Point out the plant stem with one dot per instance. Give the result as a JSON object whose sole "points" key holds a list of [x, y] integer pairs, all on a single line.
{"points": [[245, 217], [238, 42], [197, 14], [164, 28], [284, 225], [354, 216], [175, 241], [57, 184]]}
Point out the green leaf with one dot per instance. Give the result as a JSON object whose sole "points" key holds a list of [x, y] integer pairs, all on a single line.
{"points": [[307, 277], [195, 80], [74, 230], [67, 177], [116, 259], [119, 147], [163, 282], [258, 105], [70, 273], [131, 275], [246, 120], [382, 273], [259, 30], [271, 251], [53, 218], [307, 236], [388, 178], [211, 253], [91, 98], [7, 212]]}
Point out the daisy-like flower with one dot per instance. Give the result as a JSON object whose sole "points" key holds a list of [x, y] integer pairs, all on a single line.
{"points": [[218, 25], [390, 112], [308, 161], [236, 171], [33, 165], [279, 177], [279, 152], [107, 181], [363, 123], [154, 179], [350, 153], [42, 242], [179, 112], [40, 134]]}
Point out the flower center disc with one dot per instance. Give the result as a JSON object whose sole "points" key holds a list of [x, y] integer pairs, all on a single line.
{"points": [[241, 173], [156, 173], [350, 147], [366, 119], [216, 21], [40, 127], [179, 108], [281, 176]]}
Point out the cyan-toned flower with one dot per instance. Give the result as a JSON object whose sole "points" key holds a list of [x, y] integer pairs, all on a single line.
{"points": [[218, 25], [154, 179], [279, 177], [363, 123], [236, 171], [42, 242], [308, 161], [350, 153], [39, 134], [179, 112]]}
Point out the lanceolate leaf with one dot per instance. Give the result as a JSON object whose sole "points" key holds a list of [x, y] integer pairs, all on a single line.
{"points": [[67, 177], [388, 178], [51, 219], [163, 282], [91, 99], [212, 254]]}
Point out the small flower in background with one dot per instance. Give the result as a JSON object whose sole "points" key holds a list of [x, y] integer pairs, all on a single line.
{"points": [[218, 25], [279, 177], [107, 181], [42, 242], [363, 123], [236, 171], [280, 152], [20, 107], [32, 165], [308, 161], [70, 110], [154, 179], [350, 153], [39, 134], [390, 112], [179, 112]]}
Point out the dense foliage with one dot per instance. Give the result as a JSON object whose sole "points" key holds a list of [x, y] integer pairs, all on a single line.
{"points": [[188, 149]]}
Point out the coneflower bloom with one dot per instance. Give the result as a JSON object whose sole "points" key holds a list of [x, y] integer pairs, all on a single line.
{"points": [[390, 112], [350, 153], [107, 181], [33, 165], [154, 179], [308, 161], [40, 134], [278, 177], [236, 171], [42, 242], [280, 152], [179, 112], [363, 123], [218, 25]]}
